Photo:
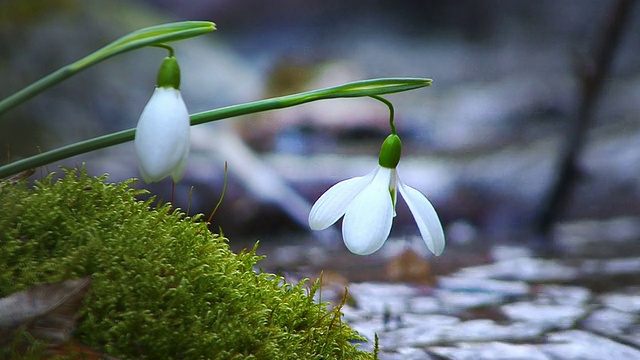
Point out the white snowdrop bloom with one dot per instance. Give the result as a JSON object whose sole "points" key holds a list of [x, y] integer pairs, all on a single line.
{"points": [[368, 206], [162, 134]]}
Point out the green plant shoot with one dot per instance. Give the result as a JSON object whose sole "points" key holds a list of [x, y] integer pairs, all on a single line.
{"points": [[150, 36], [373, 87]]}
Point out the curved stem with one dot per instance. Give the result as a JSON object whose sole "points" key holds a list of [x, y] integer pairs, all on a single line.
{"points": [[391, 112], [373, 87], [166, 47]]}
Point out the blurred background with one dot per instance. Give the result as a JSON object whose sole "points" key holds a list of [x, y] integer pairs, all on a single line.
{"points": [[484, 143]]}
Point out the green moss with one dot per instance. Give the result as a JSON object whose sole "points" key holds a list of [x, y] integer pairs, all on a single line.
{"points": [[164, 286]]}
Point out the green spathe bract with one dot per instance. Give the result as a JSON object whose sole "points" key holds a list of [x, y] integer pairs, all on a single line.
{"points": [[390, 152], [164, 286], [169, 73]]}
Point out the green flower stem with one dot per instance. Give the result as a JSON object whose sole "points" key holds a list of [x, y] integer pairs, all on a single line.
{"points": [[150, 36], [373, 87], [391, 112]]}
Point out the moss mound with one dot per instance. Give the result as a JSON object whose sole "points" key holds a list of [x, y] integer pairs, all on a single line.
{"points": [[164, 286]]}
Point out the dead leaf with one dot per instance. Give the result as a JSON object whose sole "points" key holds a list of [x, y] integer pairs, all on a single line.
{"points": [[12, 180], [75, 350], [48, 312], [333, 287], [409, 267]]}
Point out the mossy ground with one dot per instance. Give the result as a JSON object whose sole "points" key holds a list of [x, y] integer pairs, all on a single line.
{"points": [[164, 286]]}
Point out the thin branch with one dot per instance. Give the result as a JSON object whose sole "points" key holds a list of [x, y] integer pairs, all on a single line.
{"points": [[593, 72]]}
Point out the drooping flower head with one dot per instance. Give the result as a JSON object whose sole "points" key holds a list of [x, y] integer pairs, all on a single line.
{"points": [[368, 205], [162, 134]]}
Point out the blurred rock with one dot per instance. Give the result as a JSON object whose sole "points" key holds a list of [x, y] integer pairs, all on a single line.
{"points": [[514, 308], [511, 289], [628, 301], [551, 316], [576, 344], [614, 324], [494, 350], [525, 269], [563, 295]]}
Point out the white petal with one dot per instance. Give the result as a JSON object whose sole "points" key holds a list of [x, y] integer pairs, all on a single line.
{"points": [[179, 169], [162, 136], [367, 221], [425, 216], [333, 203]]}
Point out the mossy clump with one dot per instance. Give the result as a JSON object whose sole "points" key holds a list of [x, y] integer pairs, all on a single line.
{"points": [[164, 286]]}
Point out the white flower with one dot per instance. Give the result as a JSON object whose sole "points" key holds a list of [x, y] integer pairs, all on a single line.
{"points": [[162, 136], [368, 205]]}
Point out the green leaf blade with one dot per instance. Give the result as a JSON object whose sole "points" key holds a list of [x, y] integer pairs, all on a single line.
{"points": [[149, 36]]}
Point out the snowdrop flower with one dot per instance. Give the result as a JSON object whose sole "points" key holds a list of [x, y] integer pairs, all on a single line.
{"points": [[368, 205], [162, 134]]}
